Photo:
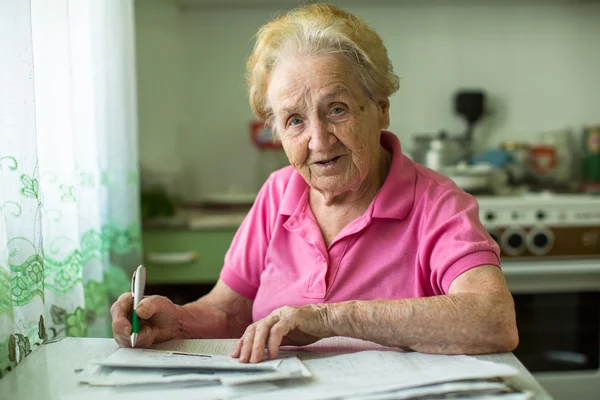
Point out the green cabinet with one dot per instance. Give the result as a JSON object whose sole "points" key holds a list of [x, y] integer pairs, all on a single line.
{"points": [[185, 256]]}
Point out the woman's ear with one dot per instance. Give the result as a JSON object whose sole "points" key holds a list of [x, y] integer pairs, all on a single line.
{"points": [[384, 113]]}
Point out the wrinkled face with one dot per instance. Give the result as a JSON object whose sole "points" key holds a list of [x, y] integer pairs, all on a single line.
{"points": [[328, 125]]}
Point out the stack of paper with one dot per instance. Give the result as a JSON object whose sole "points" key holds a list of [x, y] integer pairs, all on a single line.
{"points": [[370, 375], [375, 375], [127, 367]]}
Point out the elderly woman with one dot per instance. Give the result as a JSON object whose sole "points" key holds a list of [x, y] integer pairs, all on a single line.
{"points": [[353, 239]]}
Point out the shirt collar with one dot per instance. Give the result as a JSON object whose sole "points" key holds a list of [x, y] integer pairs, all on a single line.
{"points": [[396, 197], [295, 195], [393, 200]]}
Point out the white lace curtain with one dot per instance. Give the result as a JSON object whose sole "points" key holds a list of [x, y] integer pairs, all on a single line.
{"points": [[69, 209]]}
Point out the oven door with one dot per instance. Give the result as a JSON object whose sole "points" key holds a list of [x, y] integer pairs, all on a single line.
{"points": [[557, 304]]}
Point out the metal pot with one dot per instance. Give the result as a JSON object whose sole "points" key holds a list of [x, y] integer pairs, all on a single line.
{"points": [[439, 151]]}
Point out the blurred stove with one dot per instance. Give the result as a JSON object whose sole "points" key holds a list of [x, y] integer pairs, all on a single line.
{"points": [[551, 261], [543, 225]]}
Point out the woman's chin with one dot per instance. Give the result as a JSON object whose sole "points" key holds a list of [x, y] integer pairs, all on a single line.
{"points": [[330, 188]]}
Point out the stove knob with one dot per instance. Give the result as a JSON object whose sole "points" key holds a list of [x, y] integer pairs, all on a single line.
{"points": [[512, 241], [540, 241], [490, 216], [540, 215]]}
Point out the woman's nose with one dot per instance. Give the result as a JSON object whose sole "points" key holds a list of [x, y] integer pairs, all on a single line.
{"points": [[321, 137]]}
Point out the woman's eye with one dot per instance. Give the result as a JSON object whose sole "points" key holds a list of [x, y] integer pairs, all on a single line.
{"points": [[295, 121], [337, 110]]}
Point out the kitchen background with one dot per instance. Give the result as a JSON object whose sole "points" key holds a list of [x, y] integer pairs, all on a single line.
{"points": [[538, 62]]}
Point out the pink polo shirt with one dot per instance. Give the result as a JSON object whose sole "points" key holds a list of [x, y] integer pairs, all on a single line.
{"points": [[419, 233]]}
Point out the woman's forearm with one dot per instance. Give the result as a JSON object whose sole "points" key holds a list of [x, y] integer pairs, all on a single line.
{"points": [[203, 319], [222, 313], [464, 323]]}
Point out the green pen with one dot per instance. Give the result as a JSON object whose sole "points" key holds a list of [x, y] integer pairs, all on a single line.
{"points": [[138, 282]]}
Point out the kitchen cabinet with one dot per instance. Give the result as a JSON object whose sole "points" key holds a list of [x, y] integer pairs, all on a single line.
{"points": [[184, 256], [184, 253], [184, 264]]}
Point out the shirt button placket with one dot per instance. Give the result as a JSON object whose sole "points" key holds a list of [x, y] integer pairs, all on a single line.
{"points": [[317, 285]]}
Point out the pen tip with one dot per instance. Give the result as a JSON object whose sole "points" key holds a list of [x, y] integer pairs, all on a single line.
{"points": [[133, 337]]}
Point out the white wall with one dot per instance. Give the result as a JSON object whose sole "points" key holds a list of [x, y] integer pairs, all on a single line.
{"points": [[160, 66], [539, 63]]}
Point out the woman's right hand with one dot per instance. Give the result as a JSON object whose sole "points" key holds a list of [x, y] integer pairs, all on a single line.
{"points": [[158, 315]]}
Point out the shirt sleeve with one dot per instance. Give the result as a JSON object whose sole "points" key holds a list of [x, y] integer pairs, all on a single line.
{"points": [[244, 260], [453, 239]]}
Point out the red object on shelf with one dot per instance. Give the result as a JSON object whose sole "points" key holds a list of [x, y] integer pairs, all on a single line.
{"points": [[262, 136], [542, 159]]}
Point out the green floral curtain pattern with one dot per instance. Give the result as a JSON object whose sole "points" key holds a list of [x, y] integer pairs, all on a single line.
{"points": [[69, 209]]}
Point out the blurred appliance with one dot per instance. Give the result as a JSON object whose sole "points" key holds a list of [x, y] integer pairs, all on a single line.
{"points": [[470, 105], [551, 261], [443, 150], [544, 226], [476, 179], [516, 168]]}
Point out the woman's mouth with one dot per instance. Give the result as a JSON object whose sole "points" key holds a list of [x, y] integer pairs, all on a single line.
{"points": [[327, 163]]}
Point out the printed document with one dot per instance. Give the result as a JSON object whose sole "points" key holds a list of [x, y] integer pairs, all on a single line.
{"points": [[99, 375], [162, 392], [371, 372], [451, 390], [148, 358]]}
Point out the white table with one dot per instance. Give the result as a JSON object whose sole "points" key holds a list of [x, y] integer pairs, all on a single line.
{"points": [[49, 372]]}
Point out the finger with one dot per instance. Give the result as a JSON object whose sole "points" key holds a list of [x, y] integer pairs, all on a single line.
{"points": [[123, 306], [121, 325], [146, 308], [276, 335], [260, 338], [122, 340], [120, 314], [122, 331], [121, 309], [238, 348], [146, 337], [247, 345]]}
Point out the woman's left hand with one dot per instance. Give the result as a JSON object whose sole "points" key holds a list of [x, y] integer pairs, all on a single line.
{"points": [[295, 326]]}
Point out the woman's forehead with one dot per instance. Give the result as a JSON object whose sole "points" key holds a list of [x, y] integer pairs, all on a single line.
{"points": [[326, 94], [312, 79], [319, 70]]}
